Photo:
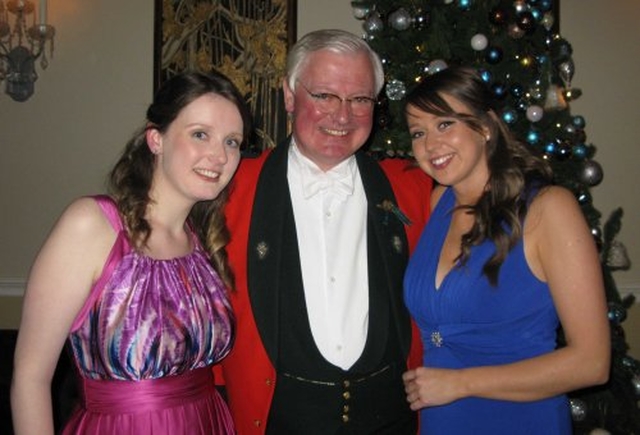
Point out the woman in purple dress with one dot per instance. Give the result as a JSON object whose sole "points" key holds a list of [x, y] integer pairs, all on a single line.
{"points": [[137, 281], [506, 257]]}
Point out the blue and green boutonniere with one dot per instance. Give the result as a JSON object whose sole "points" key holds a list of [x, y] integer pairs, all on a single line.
{"points": [[390, 208]]}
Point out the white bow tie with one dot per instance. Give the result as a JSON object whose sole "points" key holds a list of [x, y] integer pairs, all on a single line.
{"points": [[340, 184]]}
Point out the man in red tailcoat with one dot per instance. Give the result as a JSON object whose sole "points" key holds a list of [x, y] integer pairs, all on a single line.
{"points": [[320, 237]]}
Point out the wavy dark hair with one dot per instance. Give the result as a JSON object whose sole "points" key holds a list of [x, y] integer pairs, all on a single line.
{"points": [[130, 179], [516, 173]]}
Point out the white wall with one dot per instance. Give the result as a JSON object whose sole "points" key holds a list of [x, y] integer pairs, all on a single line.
{"points": [[61, 142], [605, 37]]}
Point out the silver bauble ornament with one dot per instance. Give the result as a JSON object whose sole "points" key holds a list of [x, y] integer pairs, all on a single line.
{"points": [[591, 173], [400, 19], [373, 24], [578, 409], [360, 12], [395, 90]]}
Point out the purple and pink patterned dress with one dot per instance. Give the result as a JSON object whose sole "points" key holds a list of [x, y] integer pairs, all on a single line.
{"points": [[144, 343]]}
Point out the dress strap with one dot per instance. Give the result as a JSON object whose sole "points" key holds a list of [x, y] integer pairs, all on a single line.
{"points": [[118, 250], [110, 209]]}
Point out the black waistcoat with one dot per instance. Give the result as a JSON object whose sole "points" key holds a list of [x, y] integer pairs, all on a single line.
{"points": [[313, 396]]}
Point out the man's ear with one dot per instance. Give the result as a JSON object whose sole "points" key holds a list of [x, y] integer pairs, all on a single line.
{"points": [[289, 96]]}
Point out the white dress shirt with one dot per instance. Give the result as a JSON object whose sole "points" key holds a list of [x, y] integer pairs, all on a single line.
{"points": [[330, 210]]}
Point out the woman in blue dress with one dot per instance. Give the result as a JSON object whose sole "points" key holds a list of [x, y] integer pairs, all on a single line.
{"points": [[504, 260]]}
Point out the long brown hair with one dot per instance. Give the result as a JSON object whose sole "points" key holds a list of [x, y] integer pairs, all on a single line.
{"points": [[130, 179], [515, 172]]}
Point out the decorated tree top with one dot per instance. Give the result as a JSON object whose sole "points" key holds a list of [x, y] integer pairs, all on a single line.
{"points": [[522, 57]]}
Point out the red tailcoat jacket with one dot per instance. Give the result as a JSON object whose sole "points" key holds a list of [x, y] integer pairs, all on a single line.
{"points": [[247, 372]]}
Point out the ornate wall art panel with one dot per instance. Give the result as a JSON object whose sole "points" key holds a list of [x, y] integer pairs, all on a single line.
{"points": [[247, 40]]}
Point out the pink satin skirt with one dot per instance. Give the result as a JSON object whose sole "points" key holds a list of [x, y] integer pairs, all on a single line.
{"points": [[185, 404]]}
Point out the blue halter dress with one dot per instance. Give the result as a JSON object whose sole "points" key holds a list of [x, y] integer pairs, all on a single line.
{"points": [[466, 322]]}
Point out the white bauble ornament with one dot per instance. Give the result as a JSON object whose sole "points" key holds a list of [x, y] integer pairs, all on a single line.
{"points": [[479, 42], [534, 113]]}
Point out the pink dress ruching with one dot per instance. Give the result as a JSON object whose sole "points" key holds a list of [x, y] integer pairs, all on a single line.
{"points": [[144, 343]]}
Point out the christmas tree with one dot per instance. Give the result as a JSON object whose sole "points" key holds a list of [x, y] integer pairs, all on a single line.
{"points": [[517, 46]]}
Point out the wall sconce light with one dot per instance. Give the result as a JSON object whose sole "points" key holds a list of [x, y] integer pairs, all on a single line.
{"points": [[20, 46]]}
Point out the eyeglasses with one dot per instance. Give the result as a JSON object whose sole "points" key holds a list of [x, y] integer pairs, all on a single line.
{"points": [[327, 102]]}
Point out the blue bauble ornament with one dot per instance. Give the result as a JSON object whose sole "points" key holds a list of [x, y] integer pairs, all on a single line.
{"points": [[465, 5], [509, 116], [579, 151], [579, 121], [617, 314], [533, 137], [499, 90], [494, 55], [550, 147], [536, 13], [545, 5]]}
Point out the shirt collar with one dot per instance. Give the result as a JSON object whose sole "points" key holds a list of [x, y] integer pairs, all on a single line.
{"points": [[339, 179]]}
